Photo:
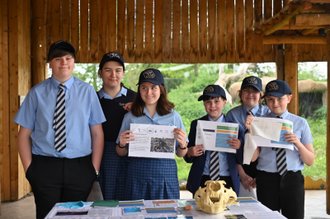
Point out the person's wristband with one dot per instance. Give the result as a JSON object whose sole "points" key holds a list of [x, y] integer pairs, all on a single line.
{"points": [[120, 146], [182, 148], [97, 173]]}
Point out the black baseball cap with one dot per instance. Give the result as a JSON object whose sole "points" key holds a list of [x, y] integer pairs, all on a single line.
{"points": [[213, 91], [151, 75], [62, 45], [277, 88], [252, 81], [112, 56]]}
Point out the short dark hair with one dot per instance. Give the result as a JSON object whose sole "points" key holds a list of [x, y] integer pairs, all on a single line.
{"points": [[59, 53], [164, 106]]}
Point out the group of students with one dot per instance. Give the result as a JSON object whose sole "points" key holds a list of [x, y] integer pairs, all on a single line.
{"points": [[94, 132]]}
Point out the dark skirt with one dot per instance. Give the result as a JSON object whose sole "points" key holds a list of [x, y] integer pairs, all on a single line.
{"points": [[152, 178], [113, 173]]}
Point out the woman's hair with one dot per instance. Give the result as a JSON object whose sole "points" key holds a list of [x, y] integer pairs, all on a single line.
{"points": [[59, 53], [260, 100], [164, 106]]}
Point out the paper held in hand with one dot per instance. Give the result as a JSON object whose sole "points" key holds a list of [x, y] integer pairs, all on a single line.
{"points": [[269, 132], [214, 135], [155, 141]]}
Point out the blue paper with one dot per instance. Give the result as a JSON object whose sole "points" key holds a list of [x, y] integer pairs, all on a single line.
{"points": [[132, 210], [75, 205]]}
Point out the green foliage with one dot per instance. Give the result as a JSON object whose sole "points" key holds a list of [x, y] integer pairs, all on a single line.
{"points": [[318, 128], [263, 69], [89, 74], [183, 168], [312, 70]]}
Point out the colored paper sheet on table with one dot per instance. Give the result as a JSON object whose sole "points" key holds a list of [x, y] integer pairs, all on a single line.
{"points": [[184, 203], [180, 217], [131, 203], [132, 210], [105, 203], [235, 216], [76, 205], [246, 200], [161, 210], [165, 203], [155, 218]]}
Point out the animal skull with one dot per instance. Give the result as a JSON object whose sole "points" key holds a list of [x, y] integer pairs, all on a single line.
{"points": [[214, 197]]}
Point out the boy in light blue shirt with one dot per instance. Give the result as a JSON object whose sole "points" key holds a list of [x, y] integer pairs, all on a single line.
{"points": [[63, 117], [279, 179]]}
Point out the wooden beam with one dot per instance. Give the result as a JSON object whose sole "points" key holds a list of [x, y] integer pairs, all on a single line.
{"points": [[294, 27], [319, 1], [308, 31], [312, 19], [294, 40], [287, 18], [328, 131], [279, 62], [39, 65], [291, 76]]}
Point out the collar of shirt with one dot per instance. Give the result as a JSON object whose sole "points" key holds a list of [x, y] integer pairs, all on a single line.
{"points": [[283, 116], [221, 119], [254, 110], [102, 94], [67, 84]]}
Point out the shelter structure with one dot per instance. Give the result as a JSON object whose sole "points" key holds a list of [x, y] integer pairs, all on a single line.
{"points": [[150, 31]]}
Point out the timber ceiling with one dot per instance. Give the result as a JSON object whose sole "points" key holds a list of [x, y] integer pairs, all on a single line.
{"points": [[178, 31], [299, 22]]}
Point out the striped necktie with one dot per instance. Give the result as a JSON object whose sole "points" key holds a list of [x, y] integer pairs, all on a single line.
{"points": [[281, 159], [59, 120], [214, 166]]}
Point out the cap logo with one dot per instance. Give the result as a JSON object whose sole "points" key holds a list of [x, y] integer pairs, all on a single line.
{"points": [[113, 55], [272, 86], [208, 89], [148, 74], [252, 80]]}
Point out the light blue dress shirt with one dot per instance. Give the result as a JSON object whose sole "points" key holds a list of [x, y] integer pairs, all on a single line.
{"points": [[239, 113], [171, 119], [102, 94], [82, 110], [267, 157], [223, 162]]}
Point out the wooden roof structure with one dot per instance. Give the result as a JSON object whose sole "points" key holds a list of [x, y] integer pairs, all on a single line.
{"points": [[150, 31]]}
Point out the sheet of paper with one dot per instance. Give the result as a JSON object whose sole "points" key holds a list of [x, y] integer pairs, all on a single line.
{"points": [[214, 135], [286, 126], [249, 148], [266, 128], [155, 141], [263, 215]]}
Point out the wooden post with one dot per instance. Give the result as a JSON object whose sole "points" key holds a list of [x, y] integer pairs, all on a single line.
{"points": [[279, 62], [328, 129], [39, 58], [291, 75]]}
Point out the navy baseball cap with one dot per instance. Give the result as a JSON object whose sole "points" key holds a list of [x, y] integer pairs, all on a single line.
{"points": [[112, 56], [213, 91], [277, 88], [252, 81], [62, 45], [151, 75]]}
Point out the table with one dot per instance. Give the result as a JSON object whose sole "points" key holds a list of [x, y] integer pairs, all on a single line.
{"points": [[248, 208]]}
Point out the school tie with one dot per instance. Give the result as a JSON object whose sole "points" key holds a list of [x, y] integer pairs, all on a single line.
{"points": [[281, 160], [249, 112], [59, 120], [214, 166]]}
